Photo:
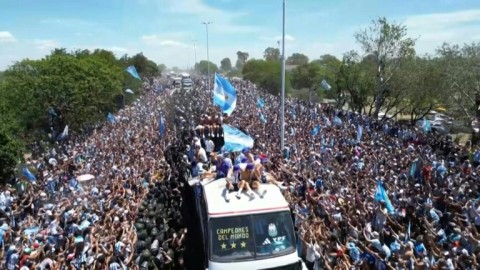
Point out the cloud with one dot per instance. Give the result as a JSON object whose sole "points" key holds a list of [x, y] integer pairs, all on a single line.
{"points": [[278, 38], [439, 20], [81, 34], [6, 37], [46, 44], [287, 38], [434, 29], [118, 49], [67, 22], [155, 40], [78, 27]]}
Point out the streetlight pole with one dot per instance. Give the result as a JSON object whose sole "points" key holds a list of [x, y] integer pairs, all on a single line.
{"points": [[282, 112], [208, 56]]}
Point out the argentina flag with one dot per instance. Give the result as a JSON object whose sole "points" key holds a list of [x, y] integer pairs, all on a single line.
{"points": [[224, 95], [359, 133], [262, 118], [235, 140], [161, 127], [28, 174], [110, 118], [133, 71], [260, 103], [315, 130], [426, 125], [381, 195], [325, 85], [63, 135]]}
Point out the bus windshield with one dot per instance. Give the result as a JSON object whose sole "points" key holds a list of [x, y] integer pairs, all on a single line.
{"points": [[251, 237]]}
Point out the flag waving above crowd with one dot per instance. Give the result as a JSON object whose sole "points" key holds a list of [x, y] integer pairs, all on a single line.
{"points": [[133, 71], [224, 95]]}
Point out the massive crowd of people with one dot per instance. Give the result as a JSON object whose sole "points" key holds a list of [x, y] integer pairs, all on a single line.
{"points": [[130, 214]]}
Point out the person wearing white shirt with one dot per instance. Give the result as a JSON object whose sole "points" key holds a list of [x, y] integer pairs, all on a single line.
{"points": [[310, 256], [209, 147], [6, 199], [201, 154]]}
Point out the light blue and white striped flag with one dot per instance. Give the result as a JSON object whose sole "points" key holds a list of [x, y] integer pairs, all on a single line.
{"points": [[407, 235], [359, 133], [325, 85], [111, 118], [161, 127], [381, 195], [262, 117], [235, 140], [224, 95], [63, 135], [316, 130], [28, 174], [426, 125], [260, 103], [133, 71], [337, 121]]}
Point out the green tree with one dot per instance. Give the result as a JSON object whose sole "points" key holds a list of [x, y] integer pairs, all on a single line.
{"points": [[226, 64], [460, 77], [161, 68], [204, 67], [389, 45], [82, 90], [306, 76], [328, 60], [9, 155], [242, 58], [354, 82], [144, 66], [271, 54], [297, 59], [267, 74], [417, 87]]}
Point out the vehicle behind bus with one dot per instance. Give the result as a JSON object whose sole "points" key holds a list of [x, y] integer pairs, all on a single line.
{"points": [[177, 83], [246, 233]]}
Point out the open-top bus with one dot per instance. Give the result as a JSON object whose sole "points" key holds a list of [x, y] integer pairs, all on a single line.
{"points": [[249, 232]]}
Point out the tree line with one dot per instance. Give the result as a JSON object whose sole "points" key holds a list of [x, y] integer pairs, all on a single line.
{"points": [[386, 76], [38, 98]]}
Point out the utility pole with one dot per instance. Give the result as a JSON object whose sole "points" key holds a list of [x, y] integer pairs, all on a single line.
{"points": [[282, 112], [208, 56]]}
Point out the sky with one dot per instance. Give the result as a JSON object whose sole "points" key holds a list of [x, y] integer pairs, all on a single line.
{"points": [[171, 31]]}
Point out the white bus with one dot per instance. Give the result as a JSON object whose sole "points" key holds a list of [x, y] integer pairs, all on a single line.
{"points": [[246, 233], [185, 76], [178, 83]]}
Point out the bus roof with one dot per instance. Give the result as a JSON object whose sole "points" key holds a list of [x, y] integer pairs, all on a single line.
{"points": [[217, 206]]}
